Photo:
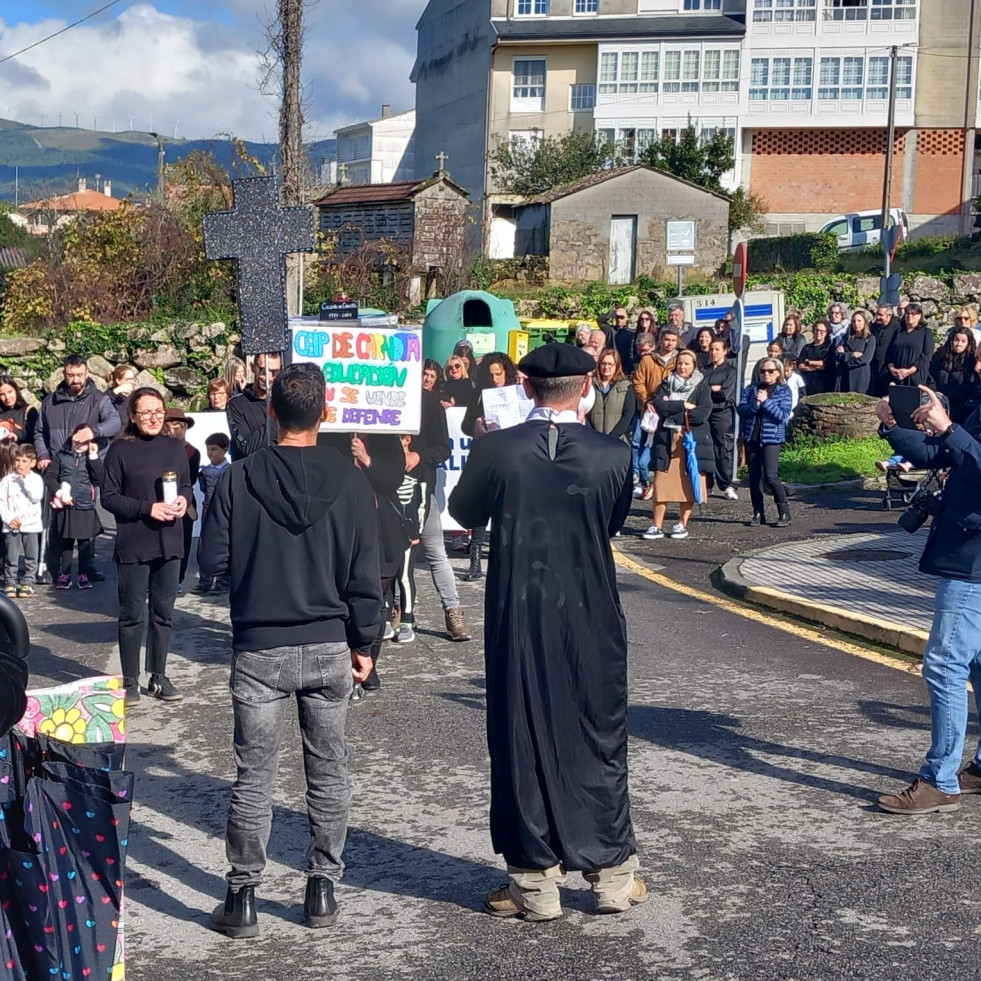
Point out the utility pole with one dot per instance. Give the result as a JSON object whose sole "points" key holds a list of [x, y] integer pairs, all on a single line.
{"points": [[291, 131], [160, 167], [884, 236]]}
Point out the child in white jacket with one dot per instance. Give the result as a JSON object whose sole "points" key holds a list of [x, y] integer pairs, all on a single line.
{"points": [[21, 497]]}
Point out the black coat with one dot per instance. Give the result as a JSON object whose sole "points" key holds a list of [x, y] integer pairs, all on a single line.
{"points": [[883, 334], [911, 349], [249, 425], [855, 374], [960, 384], [823, 379], [698, 418], [555, 642], [22, 421]]}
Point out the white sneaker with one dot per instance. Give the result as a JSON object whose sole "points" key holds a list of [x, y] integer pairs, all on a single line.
{"points": [[652, 533], [389, 632], [406, 634], [678, 531], [638, 490], [730, 493]]}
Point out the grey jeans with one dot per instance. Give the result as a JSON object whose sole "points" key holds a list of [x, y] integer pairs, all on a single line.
{"points": [[261, 684], [21, 544], [435, 552]]}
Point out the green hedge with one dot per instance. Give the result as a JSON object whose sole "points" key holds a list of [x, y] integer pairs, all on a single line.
{"points": [[789, 253]]}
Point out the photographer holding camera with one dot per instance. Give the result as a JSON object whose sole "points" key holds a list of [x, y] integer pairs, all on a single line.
{"points": [[953, 553]]}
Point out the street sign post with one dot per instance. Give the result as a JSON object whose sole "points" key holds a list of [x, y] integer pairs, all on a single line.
{"points": [[740, 269]]}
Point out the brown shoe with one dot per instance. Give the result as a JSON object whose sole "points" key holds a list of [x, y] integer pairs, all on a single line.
{"points": [[500, 902], [456, 624], [970, 778], [638, 895], [919, 797]]}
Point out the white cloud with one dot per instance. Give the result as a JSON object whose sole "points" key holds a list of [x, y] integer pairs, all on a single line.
{"points": [[166, 70]]}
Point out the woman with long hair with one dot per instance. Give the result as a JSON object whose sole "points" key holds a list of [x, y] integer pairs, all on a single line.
{"points": [[147, 487], [16, 416], [720, 379], [855, 354], [911, 349], [615, 405], [236, 376], [817, 364], [683, 403], [765, 410], [496, 370], [432, 377], [954, 372]]}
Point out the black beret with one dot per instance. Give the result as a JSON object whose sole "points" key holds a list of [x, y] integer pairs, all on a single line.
{"points": [[557, 361]]}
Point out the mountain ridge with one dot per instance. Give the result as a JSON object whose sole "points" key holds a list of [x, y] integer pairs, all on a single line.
{"points": [[51, 159]]}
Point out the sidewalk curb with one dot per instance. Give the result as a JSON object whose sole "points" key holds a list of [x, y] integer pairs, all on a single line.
{"points": [[883, 632]]}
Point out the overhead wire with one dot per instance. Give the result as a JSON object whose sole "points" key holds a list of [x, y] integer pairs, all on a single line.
{"points": [[68, 27]]}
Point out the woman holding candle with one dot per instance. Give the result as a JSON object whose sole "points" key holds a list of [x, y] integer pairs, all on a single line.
{"points": [[148, 489]]}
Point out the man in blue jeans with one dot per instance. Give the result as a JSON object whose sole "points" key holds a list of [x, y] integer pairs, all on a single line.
{"points": [[293, 526], [953, 553]]}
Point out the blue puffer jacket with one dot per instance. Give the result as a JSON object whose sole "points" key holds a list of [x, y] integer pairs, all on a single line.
{"points": [[775, 411]]}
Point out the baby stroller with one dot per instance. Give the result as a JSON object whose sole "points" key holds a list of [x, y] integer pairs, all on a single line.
{"points": [[901, 481]]}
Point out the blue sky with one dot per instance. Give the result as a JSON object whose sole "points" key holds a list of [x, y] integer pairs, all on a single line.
{"points": [[191, 66]]}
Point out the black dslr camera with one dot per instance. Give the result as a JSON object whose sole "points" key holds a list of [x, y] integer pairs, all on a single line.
{"points": [[925, 503]]}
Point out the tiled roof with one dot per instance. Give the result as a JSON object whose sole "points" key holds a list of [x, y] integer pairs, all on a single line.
{"points": [[573, 187], [76, 201], [614, 28], [370, 193]]}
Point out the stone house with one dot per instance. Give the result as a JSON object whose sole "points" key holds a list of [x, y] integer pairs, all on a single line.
{"points": [[612, 226], [428, 219]]}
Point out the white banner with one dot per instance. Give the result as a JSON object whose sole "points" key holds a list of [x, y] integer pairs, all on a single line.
{"points": [[373, 375], [449, 472]]}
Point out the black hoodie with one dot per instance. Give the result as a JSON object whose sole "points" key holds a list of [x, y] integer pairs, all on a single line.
{"points": [[294, 529]]}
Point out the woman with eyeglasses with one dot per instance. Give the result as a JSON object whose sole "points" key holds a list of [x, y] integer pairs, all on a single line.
{"points": [[765, 410], [855, 354], [817, 364], [613, 411], [147, 487], [911, 349], [458, 388], [954, 372]]}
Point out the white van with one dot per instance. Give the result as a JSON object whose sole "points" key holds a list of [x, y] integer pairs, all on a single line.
{"points": [[861, 228]]}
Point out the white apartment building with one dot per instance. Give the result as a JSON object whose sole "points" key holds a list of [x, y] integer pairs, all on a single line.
{"points": [[802, 85], [377, 151]]}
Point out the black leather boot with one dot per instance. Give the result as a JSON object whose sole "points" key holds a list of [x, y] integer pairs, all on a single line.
{"points": [[784, 519], [319, 905], [236, 916], [757, 519], [474, 572]]}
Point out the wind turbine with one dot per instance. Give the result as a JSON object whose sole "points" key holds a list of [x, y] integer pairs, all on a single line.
{"points": [[131, 120]]}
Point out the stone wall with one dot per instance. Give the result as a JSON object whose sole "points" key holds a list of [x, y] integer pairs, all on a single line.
{"points": [[179, 360]]}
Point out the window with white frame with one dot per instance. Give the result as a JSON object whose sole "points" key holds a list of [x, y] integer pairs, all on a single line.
{"points": [[841, 78], [582, 97], [869, 10], [702, 5], [780, 79], [706, 133], [528, 85], [628, 72], [532, 8], [681, 71], [720, 71], [586, 7], [782, 11]]}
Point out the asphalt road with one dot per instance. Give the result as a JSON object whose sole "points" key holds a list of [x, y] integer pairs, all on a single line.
{"points": [[755, 758]]}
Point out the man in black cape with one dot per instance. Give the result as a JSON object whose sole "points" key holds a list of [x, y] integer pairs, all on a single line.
{"points": [[555, 492]]}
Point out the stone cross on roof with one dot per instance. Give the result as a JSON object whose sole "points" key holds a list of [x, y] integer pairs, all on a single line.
{"points": [[259, 234], [441, 159]]}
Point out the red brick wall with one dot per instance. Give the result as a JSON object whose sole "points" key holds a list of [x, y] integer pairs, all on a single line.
{"points": [[939, 163], [815, 171]]}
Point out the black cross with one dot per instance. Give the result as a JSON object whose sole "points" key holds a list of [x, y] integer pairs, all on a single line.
{"points": [[259, 234]]}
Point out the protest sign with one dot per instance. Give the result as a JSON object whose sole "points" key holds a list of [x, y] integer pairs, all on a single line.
{"points": [[449, 471], [374, 376], [506, 407]]}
